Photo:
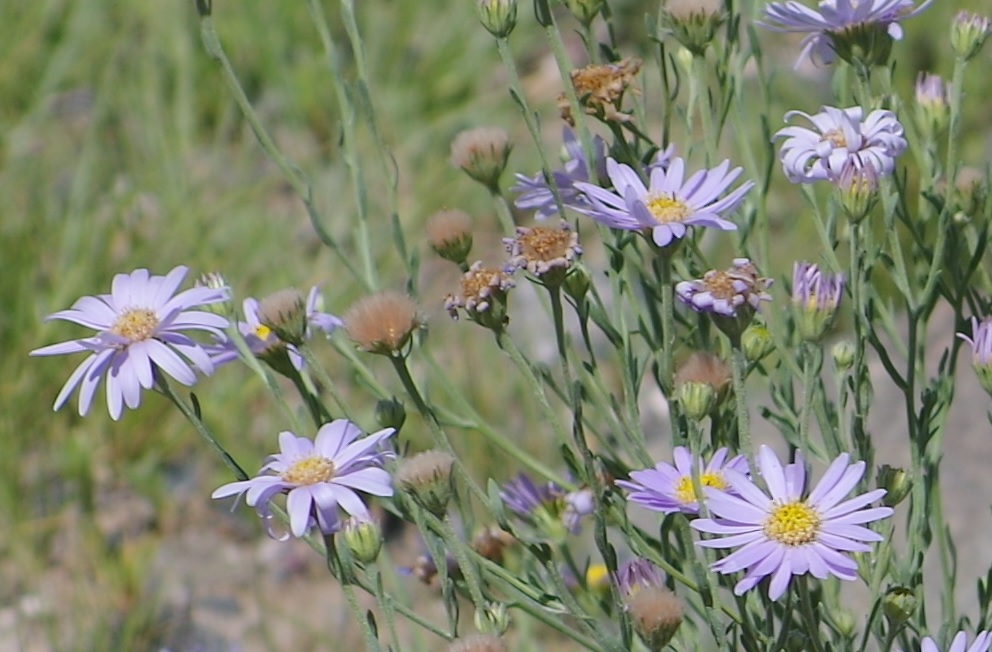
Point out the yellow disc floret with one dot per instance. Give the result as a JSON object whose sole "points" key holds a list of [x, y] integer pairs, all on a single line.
{"points": [[309, 470], [136, 324], [666, 208], [684, 492], [794, 524]]}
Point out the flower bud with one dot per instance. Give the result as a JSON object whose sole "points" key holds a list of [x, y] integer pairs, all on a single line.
{"points": [[844, 622], [585, 11], [857, 188], [756, 342], [390, 413], [896, 482], [843, 356], [899, 604], [815, 298], [499, 17], [932, 110], [216, 281], [363, 538], [968, 34], [427, 478], [494, 619], [578, 282], [697, 399]]}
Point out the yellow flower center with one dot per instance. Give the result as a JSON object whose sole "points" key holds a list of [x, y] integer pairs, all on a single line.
{"points": [[262, 332], [309, 470], [136, 324], [835, 136], [480, 283], [684, 492], [794, 524], [666, 208], [597, 577]]}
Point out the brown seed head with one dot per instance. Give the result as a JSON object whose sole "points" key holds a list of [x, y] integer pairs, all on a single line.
{"points": [[482, 153], [450, 234], [382, 323], [656, 614], [427, 477], [285, 313], [705, 368], [490, 543], [478, 643]]}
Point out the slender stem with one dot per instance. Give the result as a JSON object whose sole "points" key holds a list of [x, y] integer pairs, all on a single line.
{"points": [[812, 625], [325, 380], [469, 570], [200, 427], [385, 605], [345, 576], [503, 213], [738, 367]]}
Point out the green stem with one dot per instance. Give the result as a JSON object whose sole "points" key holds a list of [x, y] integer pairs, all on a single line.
{"points": [[469, 570], [738, 367], [335, 563], [812, 625]]}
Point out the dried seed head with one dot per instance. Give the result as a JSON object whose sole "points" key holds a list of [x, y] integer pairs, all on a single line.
{"points": [[478, 643], [427, 478], [285, 313], [656, 614], [600, 89], [705, 368], [450, 235], [490, 543], [482, 153], [693, 22], [382, 323]]}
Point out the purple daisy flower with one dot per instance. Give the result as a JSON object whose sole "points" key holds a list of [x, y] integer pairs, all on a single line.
{"points": [[319, 476], [839, 24], [786, 534], [839, 137], [981, 351], [535, 194], [547, 505], [636, 574], [141, 328], [669, 204], [960, 643], [668, 489]]}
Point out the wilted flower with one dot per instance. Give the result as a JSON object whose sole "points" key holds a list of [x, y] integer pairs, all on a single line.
{"points": [[382, 323], [669, 204], [731, 296], [600, 89], [668, 489], [981, 643], [482, 296], [482, 153], [534, 193], [141, 333], [787, 534], [969, 33], [839, 136], [816, 297], [545, 252], [547, 507], [981, 350], [318, 476], [854, 30]]}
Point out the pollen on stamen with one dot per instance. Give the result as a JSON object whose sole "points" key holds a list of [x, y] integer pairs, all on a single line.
{"points": [[136, 324], [685, 493], [309, 470], [835, 136], [794, 524]]}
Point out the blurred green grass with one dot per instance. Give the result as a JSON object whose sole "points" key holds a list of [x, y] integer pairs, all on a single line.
{"points": [[120, 147]]}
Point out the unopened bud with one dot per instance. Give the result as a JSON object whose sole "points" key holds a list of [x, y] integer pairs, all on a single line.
{"points": [[843, 356], [899, 604], [896, 482], [363, 538], [499, 17], [493, 619], [756, 342], [697, 399], [585, 11], [968, 34], [390, 413]]}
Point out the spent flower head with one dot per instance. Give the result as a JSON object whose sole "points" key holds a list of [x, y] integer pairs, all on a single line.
{"points": [[319, 476], [547, 507], [482, 296], [815, 298], [449, 234], [669, 204], [669, 489], [693, 22], [545, 252], [141, 337], [731, 296], [981, 351], [600, 89], [482, 153], [427, 478], [656, 614], [837, 137], [857, 31], [383, 322], [787, 532]]}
